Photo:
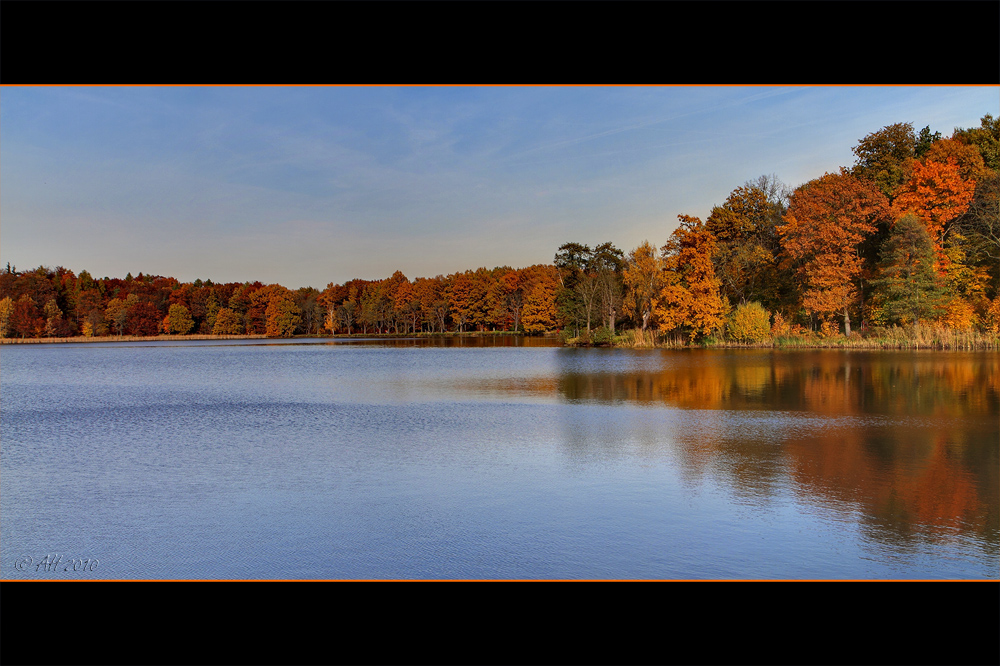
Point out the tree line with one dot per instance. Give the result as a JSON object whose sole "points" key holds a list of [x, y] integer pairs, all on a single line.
{"points": [[909, 233], [57, 303]]}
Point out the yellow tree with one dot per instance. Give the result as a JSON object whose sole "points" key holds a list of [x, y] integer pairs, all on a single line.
{"points": [[643, 277], [539, 313], [690, 295], [53, 318], [282, 318], [399, 291], [967, 158], [228, 322], [6, 310], [116, 312], [178, 320], [827, 220]]}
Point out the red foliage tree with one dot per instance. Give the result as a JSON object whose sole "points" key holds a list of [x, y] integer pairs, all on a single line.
{"points": [[143, 319]]}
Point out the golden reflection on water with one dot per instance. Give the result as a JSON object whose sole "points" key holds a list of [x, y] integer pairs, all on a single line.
{"points": [[909, 441], [825, 382]]}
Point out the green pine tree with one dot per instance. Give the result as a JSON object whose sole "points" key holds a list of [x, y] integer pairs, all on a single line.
{"points": [[908, 285]]}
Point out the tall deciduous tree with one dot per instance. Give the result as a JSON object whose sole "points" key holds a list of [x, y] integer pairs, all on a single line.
{"points": [[576, 298], [938, 194], [282, 317], [643, 277], [539, 310], [6, 310], [178, 320], [116, 312], [968, 158], [143, 318], [54, 325], [883, 157], [986, 138], [606, 265], [748, 249], [691, 293], [981, 222], [827, 220], [25, 320], [228, 322]]}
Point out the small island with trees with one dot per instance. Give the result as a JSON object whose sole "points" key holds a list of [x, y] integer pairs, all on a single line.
{"points": [[900, 250]]}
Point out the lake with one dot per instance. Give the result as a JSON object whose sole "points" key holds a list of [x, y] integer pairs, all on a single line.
{"points": [[495, 458]]}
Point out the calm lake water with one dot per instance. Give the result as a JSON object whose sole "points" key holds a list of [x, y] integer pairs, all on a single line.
{"points": [[492, 459]]}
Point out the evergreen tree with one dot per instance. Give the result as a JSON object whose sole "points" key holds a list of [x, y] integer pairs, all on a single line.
{"points": [[909, 287]]}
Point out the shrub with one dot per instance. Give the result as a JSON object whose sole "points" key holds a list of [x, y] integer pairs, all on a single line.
{"points": [[959, 315], [602, 336], [749, 322], [780, 327], [829, 329], [625, 338]]}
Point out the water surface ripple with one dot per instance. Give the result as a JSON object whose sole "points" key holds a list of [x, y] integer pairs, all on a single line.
{"points": [[400, 459]]}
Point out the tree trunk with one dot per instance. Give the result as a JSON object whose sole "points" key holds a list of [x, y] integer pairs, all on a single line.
{"points": [[847, 323]]}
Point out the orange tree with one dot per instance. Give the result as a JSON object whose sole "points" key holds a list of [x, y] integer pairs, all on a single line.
{"points": [[938, 194], [690, 296], [827, 220]]}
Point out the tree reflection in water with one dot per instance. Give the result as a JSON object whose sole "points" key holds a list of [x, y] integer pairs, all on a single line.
{"points": [[909, 440]]}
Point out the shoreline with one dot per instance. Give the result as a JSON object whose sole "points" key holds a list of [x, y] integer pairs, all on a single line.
{"points": [[257, 336], [125, 338], [928, 343]]}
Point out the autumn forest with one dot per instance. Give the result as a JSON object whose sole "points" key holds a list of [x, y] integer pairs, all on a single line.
{"points": [[907, 239]]}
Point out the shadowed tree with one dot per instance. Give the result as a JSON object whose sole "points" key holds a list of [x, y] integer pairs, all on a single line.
{"points": [[748, 248], [606, 265]]}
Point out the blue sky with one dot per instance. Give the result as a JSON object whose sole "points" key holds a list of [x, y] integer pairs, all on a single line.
{"points": [[304, 186]]}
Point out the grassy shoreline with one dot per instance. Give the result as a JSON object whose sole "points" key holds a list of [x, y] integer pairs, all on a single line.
{"points": [[909, 338], [922, 337]]}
